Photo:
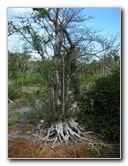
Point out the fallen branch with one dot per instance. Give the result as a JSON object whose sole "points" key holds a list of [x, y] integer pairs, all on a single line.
{"points": [[10, 101]]}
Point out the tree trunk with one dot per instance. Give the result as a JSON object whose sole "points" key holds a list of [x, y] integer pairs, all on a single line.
{"points": [[57, 76]]}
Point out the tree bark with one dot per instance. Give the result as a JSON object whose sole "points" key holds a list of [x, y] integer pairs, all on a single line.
{"points": [[58, 63]]}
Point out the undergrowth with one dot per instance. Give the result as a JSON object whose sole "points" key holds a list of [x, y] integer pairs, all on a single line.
{"points": [[22, 148]]}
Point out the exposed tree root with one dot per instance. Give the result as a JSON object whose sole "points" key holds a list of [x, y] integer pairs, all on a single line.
{"points": [[61, 131], [67, 131]]}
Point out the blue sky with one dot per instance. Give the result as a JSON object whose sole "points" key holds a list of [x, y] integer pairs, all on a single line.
{"points": [[106, 19]]}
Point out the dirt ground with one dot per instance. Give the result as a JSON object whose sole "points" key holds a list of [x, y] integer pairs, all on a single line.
{"points": [[22, 128], [18, 123]]}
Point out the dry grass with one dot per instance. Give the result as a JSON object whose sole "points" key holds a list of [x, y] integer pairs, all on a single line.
{"points": [[22, 148]]}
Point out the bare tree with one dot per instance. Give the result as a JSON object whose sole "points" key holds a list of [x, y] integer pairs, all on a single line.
{"points": [[61, 35]]}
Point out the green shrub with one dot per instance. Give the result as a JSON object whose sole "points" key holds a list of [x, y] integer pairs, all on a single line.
{"points": [[12, 93], [35, 78], [86, 78], [100, 106], [24, 79]]}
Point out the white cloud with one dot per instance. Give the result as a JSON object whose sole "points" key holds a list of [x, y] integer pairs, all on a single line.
{"points": [[35, 56]]}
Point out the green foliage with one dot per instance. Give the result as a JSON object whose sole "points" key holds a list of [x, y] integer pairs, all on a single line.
{"points": [[41, 13], [12, 93], [87, 79], [29, 80], [11, 123], [17, 62], [35, 78], [23, 79], [100, 106], [31, 102], [35, 112]]}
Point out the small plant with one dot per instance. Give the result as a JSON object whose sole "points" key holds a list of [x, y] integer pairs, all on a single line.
{"points": [[98, 149], [35, 112], [31, 102], [11, 123], [12, 93]]}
